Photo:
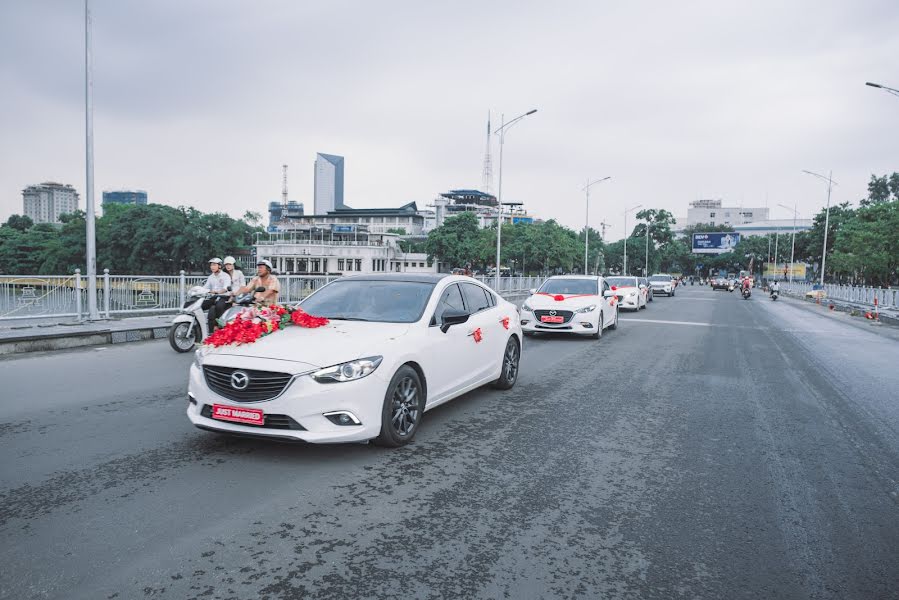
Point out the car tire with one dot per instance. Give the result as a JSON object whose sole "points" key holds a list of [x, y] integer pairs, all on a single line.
{"points": [[614, 324], [404, 405], [598, 334], [511, 361]]}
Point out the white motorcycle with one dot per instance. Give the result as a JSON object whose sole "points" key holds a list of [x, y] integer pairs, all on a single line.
{"points": [[190, 326]]}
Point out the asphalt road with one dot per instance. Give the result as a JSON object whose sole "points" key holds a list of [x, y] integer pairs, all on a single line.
{"points": [[709, 448]]}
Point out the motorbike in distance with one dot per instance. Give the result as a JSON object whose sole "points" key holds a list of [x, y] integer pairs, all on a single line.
{"points": [[774, 293], [190, 326], [747, 292]]}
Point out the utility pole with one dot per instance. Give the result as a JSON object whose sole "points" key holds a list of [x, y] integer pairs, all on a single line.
{"points": [[90, 222], [284, 186]]}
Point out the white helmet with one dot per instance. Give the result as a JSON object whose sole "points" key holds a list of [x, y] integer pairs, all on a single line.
{"points": [[229, 260], [268, 264], [217, 261]]}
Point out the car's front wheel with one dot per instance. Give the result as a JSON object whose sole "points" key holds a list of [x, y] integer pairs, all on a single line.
{"points": [[614, 324], [403, 408], [511, 359]]}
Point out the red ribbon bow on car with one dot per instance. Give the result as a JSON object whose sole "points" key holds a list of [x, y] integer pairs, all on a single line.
{"points": [[505, 322], [476, 334]]}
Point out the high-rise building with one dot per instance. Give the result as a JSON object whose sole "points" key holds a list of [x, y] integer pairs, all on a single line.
{"points": [[125, 197], [44, 202], [328, 183]]}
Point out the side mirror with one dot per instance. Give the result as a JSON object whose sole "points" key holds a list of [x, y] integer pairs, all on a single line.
{"points": [[259, 288], [608, 294], [642, 286], [532, 291], [452, 317]]}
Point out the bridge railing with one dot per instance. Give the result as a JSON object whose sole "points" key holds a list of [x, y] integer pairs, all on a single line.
{"points": [[887, 298], [60, 296]]}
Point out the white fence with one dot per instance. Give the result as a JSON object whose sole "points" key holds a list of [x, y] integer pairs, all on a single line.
{"points": [[886, 297], [54, 296]]}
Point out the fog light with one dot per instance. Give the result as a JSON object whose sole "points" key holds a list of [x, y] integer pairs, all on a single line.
{"points": [[587, 324], [342, 418], [525, 321], [191, 398]]}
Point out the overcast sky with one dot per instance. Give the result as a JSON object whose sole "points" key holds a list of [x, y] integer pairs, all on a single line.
{"points": [[201, 102]]}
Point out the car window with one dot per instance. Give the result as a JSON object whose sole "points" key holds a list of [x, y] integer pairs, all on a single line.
{"points": [[569, 286], [475, 297], [450, 300], [368, 300], [605, 286]]}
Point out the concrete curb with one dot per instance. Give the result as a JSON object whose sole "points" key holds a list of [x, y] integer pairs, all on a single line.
{"points": [[76, 339]]}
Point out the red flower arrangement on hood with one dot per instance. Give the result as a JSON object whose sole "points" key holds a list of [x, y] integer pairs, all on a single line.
{"points": [[252, 323]]}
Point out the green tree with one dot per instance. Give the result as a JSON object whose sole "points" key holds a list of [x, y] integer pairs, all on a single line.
{"points": [[19, 222], [456, 242]]}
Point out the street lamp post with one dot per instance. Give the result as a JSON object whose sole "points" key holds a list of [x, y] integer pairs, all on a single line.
{"points": [[646, 267], [830, 184], [626, 235], [89, 218], [888, 90], [793, 243], [501, 132], [586, 190]]}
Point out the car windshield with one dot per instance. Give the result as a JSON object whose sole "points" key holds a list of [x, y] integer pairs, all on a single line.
{"points": [[622, 281], [569, 286], [660, 278], [367, 300]]}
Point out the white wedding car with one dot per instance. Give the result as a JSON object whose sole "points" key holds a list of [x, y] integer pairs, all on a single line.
{"points": [[576, 304], [396, 346]]}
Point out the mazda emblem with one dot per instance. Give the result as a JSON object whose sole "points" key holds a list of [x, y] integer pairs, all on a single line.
{"points": [[239, 380], [552, 313]]}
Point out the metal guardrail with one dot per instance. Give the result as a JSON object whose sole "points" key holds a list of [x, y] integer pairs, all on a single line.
{"points": [[887, 298], [55, 296]]}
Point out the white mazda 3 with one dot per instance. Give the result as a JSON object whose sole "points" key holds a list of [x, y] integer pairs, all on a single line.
{"points": [[396, 345], [577, 304]]}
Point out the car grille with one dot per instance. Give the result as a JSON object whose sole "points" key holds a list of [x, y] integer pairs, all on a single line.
{"points": [[565, 314], [271, 421], [263, 385]]}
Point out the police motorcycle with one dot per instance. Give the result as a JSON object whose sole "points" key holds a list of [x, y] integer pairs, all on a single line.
{"points": [[190, 326]]}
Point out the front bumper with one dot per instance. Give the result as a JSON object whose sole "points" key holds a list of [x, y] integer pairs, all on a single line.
{"points": [[662, 290], [579, 324], [305, 401], [630, 303]]}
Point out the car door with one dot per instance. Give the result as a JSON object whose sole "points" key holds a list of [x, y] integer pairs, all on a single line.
{"points": [[484, 318], [451, 355], [609, 305]]}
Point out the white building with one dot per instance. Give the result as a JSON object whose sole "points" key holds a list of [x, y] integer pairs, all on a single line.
{"points": [[771, 226], [44, 203], [339, 250], [328, 183], [712, 213]]}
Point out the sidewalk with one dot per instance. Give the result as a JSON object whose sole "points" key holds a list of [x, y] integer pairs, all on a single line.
{"points": [[34, 337], [888, 326]]}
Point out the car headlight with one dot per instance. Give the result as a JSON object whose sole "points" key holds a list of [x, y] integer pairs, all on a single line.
{"points": [[586, 309], [348, 371], [526, 307], [198, 357]]}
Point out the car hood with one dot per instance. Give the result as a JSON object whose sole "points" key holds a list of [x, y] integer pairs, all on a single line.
{"points": [[570, 302], [336, 342]]}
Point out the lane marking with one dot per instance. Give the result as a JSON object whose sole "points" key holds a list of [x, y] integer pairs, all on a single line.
{"points": [[669, 322]]}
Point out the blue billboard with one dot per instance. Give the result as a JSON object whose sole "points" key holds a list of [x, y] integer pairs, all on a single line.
{"points": [[714, 243], [343, 228]]}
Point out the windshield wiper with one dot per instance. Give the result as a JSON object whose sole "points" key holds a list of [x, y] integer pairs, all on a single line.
{"points": [[345, 318]]}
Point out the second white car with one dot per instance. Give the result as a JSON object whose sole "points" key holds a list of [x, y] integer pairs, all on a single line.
{"points": [[575, 304]]}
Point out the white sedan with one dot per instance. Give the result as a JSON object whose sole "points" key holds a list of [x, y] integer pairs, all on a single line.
{"points": [[635, 294], [577, 304], [396, 345]]}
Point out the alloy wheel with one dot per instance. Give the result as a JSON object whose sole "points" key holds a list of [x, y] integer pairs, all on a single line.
{"points": [[510, 361], [405, 406]]}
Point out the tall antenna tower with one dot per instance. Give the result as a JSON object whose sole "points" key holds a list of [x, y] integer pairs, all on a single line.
{"points": [[604, 226], [487, 176], [284, 185]]}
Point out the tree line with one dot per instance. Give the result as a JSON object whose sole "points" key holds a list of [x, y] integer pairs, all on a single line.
{"points": [[862, 244], [151, 239]]}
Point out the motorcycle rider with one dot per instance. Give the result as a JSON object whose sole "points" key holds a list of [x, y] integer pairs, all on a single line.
{"points": [[774, 288], [747, 285], [237, 277], [216, 283], [264, 278]]}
